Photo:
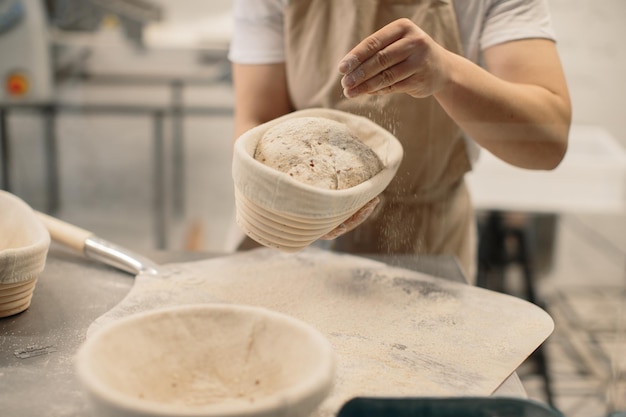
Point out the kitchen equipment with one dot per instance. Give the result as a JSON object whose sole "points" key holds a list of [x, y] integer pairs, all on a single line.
{"points": [[281, 212], [207, 360], [396, 332], [24, 245], [25, 67]]}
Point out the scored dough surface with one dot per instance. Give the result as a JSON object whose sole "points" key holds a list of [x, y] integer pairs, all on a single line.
{"points": [[318, 151]]}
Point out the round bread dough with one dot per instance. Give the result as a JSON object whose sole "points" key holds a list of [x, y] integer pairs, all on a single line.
{"points": [[317, 151]]}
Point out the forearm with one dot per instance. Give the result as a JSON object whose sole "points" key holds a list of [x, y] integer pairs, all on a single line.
{"points": [[260, 95], [524, 124], [518, 108], [243, 122]]}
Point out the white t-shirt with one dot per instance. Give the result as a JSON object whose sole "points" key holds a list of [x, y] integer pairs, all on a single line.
{"points": [[258, 31], [258, 27]]}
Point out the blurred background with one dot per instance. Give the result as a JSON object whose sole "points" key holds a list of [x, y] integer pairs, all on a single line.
{"points": [[116, 115]]}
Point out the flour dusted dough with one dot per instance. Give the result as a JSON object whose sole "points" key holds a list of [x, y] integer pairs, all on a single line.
{"points": [[319, 152]]}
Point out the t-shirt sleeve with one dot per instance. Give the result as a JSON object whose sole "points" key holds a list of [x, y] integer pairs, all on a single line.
{"points": [[508, 20], [257, 32]]}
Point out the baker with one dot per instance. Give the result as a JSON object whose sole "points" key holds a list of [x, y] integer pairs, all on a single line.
{"points": [[447, 77]]}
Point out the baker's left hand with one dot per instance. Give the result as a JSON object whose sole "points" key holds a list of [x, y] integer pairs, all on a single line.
{"points": [[400, 57], [353, 221]]}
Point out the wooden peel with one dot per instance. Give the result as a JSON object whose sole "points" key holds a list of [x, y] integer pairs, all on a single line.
{"points": [[396, 332]]}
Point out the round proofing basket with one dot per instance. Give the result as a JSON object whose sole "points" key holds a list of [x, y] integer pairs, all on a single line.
{"points": [[24, 243], [207, 360], [278, 211]]}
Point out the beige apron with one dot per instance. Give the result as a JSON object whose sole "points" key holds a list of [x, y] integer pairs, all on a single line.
{"points": [[426, 208]]}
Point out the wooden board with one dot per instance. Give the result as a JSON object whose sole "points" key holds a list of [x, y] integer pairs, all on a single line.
{"points": [[396, 332]]}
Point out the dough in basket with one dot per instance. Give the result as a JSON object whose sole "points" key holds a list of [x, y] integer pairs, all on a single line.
{"points": [[318, 151]]}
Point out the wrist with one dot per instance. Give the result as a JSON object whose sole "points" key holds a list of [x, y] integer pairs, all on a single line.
{"points": [[451, 73]]}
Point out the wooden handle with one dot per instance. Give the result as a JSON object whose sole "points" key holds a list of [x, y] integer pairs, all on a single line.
{"points": [[64, 233]]}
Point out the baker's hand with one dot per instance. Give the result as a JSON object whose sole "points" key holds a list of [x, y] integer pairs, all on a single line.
{"points": [[353, 221], [400, 57]]}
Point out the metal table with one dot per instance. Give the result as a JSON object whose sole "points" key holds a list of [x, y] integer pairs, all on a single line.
{"points": [[37, 346]]}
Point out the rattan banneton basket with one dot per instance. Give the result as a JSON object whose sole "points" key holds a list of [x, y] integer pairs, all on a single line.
{"points": [[24, 243], [280, 212]]}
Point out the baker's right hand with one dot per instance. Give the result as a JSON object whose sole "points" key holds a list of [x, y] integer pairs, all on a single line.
{"points": [[353, 221], [399, 58]]}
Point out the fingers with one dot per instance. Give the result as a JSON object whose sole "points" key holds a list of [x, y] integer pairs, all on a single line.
{"points": [[335, 233], [361, 215], [380, 61], [371, 45], [400, 57], [385, 81], [356, 219]]}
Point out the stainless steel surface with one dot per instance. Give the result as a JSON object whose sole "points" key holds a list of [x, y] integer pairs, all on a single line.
{"points": [[37, 347]]}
